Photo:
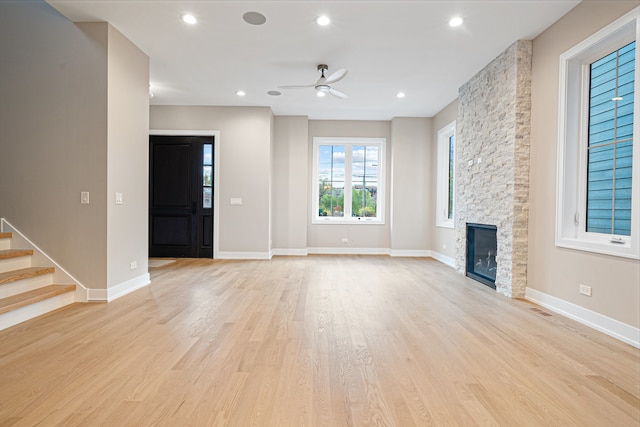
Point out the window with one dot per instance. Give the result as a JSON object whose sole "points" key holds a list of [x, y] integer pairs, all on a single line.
{"points": [[446, 176], [610, 143], [207, 175], [348, 182], [598, 196]]}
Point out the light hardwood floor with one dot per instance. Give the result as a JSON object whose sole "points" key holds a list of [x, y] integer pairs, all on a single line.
{"points": [[314, 341]]}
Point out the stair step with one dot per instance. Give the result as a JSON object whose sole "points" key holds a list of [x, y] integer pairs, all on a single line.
{"points": [[5, 240], [31, 297], [14, 253], [24, 273]]}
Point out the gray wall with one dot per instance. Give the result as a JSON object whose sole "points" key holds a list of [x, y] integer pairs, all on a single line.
{"points": [[245, 170], [556, 271], [410, 186], [443, 240], [53, 135], [127, 159], [290, 185], [73, 118]]}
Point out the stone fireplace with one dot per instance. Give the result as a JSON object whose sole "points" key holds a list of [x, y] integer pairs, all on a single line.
{"points": [[492, 163]]}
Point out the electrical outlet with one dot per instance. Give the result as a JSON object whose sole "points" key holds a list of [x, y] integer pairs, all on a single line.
{"points": [[134, 265], [585, 290], [345, 240]]}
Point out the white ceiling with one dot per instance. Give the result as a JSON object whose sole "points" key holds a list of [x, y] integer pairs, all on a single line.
{"points": [[387, 46]]}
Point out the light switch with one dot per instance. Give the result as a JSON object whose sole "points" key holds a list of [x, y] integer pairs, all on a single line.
{"points": [[236, 201], [118, 198], [84, 197]]}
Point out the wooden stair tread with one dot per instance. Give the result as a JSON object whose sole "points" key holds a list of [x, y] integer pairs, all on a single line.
{"points": [[17, 301], [6, 235], [14, 253], [24, 273]]}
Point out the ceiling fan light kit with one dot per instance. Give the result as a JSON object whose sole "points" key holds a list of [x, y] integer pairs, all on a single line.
{"points": [[323, 84]]}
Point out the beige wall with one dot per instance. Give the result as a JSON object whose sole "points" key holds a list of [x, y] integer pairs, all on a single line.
{"points": [[290, 185], [410, 187], [53, 135], [369, 236], [245, 161], [73, 118], [556, 271], [127, 159], [443, 239]]}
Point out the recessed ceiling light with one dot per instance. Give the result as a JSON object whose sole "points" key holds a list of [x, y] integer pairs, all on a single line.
{"points": [[400, 95], [240, 93], [455, 21], [189, 19], [320, 94], [323, 20], [274, 93], [254, 18]]}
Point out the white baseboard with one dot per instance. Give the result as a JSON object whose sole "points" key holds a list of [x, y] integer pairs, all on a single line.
{"points": [[117, 291], [348, 251], [410, 253], [597, 321], [451, 262], [290, 252], [243, 255]]}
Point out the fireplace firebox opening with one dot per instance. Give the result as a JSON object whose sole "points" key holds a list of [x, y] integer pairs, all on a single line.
{"points": [[482, 246]]}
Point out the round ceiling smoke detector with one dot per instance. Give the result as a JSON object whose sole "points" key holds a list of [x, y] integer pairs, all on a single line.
{"points": [[274, 93], [254, 18]]}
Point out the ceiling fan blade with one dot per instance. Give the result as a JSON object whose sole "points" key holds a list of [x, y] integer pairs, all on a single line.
{"points": [[337, 93], [296, 86], [337, 76]]}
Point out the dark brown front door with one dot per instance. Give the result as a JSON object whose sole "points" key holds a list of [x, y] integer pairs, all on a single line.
{"points": [[181, 196]]}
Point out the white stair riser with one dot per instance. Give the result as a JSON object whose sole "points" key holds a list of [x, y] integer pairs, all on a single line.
{"points": [[15, 263], [5, 244], [34, 310], [25, 285]]}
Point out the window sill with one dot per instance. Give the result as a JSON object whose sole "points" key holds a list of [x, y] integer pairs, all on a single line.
{"points": [[621, 250], [445, 224], [355, 221]]}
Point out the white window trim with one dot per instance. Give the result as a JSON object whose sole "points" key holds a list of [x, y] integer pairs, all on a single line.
{"points": [[382, 162], [442, 177], [572, 143]]}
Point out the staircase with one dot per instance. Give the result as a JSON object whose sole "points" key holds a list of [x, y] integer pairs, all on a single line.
{"points": [[26, 291]]}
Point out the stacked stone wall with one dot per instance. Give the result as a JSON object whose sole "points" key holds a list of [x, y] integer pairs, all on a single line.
{"points": [[492, 162]]}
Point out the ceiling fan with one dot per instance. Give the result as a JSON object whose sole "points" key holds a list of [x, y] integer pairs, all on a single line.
{"points": [[323, 85]]}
